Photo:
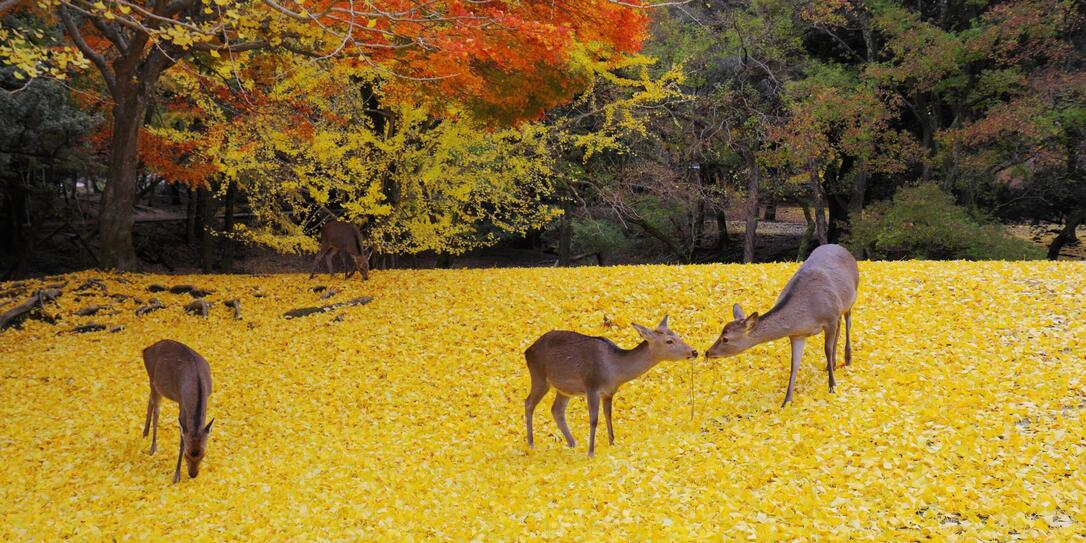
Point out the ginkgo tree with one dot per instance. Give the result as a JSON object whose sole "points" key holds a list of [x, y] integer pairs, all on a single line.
{"points": [[303, 139], [503, 60], [328, 139]]}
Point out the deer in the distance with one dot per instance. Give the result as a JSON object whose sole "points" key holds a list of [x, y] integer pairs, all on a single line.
{"points": [[178, 373], [344, 239], [594, 367], [813, 301]]}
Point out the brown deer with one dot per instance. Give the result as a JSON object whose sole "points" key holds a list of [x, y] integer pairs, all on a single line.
{"points": [[178, 373], [345, 239], [576, 364], [814, 300]]}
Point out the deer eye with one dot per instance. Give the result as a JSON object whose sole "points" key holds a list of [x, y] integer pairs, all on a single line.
{"points": [[670, 341], [723, 339]]}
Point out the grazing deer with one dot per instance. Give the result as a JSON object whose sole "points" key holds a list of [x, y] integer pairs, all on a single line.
{"points": [[812, 302], [338, 237], [576, 364], [183, 376]]}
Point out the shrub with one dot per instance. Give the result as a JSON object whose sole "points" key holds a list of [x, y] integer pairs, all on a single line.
{"points": [[923, 222], [592, 235]]}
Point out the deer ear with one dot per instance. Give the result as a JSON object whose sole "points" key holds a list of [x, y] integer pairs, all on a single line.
{"points": [[737, 312], [750, 321], [645, 332], [182, 423], [207, 429], [663, 323]]}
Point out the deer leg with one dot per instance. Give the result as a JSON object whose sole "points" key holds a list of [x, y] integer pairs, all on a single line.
{"points": [[831, 332], [848, 338], [150, 408], [348, 266], [607, 415], [558, 411], [328, 260], [593, 398], [539, 389], [797, 355], [154, 426], [316, 264], [180, 453], [365, 267]]}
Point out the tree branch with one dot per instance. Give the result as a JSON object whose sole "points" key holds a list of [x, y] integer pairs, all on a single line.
{"points": [[112, 33], [97, 59], [7, 5], [230, 48]]}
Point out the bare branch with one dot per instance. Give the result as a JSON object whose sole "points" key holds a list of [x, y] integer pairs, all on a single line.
{"points": [[230, 48], [111, 32], [650, 5], [7, 5], [77, 38]]}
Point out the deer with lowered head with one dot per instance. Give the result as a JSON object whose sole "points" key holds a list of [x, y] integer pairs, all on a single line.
{"points": [[593, 367], [178, 373], [344, 239], [813, 302]]}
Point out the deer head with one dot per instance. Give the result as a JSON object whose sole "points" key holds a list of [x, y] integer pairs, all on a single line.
{"points": [[194, 445], [665, 344], [735, 338]]}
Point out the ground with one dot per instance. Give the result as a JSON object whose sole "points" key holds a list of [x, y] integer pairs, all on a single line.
{"points": [[962, 416]]}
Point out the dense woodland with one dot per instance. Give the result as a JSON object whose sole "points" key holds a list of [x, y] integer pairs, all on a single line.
{"points": [[902, 129]]}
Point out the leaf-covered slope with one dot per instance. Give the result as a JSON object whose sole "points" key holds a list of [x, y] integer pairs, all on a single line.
{"points": [[964, 412]]}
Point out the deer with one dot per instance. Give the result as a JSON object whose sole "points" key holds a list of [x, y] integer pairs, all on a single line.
{"points": [[813, 301], [345, 239], [180, 374], [594, 367]]}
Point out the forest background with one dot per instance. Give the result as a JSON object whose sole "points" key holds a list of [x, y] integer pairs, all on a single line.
{"points": [[220, 135]]}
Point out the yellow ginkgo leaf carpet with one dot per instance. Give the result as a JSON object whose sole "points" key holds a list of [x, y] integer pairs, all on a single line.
{"points": [[962, 416]]}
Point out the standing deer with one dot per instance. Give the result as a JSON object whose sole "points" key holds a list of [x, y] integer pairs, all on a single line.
{"points": [[576, 364], [814, 300], [178, 373], [338, 237]]}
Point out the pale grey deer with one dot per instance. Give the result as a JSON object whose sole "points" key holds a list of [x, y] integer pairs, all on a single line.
{"points": [[813, 302]]}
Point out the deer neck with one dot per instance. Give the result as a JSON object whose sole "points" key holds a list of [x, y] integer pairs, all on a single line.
{"points": [[631, 364], [775, 324]]}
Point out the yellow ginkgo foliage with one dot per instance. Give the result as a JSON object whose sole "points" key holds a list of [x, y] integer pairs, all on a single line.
{"points": [[963, 416]]}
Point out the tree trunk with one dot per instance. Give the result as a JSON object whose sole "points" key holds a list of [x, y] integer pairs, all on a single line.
{"points": [[1067, 234], [859, 190], [805, 241], [115, 216], [132, 81], [444, 260], [770, 212], [203, 227], [565, 239], [698, 230], [190, 216], [722, 240], [754, 179], [227, 261], [821, 233]]}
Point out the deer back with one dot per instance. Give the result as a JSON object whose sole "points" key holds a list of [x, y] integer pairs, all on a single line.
{"points": [[822, 289], [180, 374], [570, 361], [343, 237]]}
